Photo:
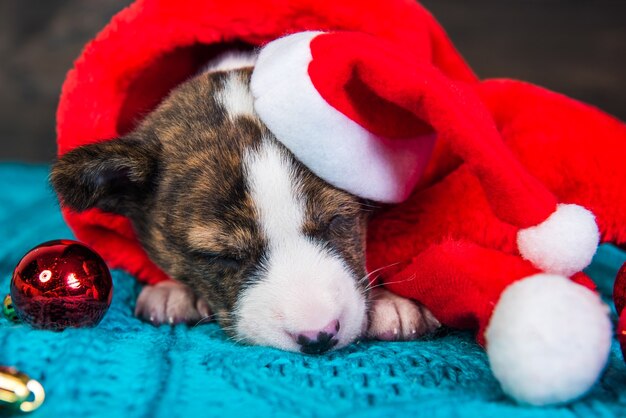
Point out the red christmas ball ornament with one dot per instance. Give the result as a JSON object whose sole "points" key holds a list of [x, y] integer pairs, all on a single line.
{"points": [[60, 284], [619, 297]]}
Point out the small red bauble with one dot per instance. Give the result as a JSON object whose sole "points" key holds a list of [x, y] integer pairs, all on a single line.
{"points": [[619, 297], [61, 284]]}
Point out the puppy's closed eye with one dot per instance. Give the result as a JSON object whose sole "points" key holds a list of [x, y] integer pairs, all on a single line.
{"points": [[220, 247], [225, 260]]}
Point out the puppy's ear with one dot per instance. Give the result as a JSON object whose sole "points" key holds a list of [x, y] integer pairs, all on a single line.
{"points": [[115, 176]]}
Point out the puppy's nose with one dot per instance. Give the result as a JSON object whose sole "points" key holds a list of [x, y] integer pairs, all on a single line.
{"points": [[318, 341]]}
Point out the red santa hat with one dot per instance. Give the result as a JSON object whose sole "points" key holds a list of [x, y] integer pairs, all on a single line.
{"points": [[363, 115]]}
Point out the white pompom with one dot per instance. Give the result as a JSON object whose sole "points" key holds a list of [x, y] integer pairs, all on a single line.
{"points": [[548, 339], [564, 243]]}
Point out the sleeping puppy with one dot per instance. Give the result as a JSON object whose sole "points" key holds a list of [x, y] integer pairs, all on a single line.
{"points": [[252, 237]]}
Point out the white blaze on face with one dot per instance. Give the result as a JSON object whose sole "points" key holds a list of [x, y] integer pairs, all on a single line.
{"points": [[302, 286], [235, 97], [235, 94]]}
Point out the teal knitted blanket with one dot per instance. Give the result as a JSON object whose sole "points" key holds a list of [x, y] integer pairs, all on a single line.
{"points": [[126, 368]]}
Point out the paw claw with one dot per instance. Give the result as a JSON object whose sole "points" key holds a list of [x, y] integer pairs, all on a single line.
{"points": [[170, 303], [396, 318]]}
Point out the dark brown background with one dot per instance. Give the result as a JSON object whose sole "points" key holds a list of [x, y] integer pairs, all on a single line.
{"points": [[577, 47]]}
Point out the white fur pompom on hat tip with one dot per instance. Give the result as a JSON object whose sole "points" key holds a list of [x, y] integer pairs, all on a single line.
{"points": [[563, 244], [548, 340]]}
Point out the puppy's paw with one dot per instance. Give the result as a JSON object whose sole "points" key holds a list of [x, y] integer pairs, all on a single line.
{"points": [[394, 318], [170, 302]]}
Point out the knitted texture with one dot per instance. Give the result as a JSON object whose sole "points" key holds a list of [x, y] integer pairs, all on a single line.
{"points": [[126, 368]]}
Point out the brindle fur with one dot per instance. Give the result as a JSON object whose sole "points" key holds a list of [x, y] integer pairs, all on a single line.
{"points": [[179, 179]]}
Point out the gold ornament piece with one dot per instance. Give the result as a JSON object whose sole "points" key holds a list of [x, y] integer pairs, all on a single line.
{"points": [[18, 391], [8, 309]]}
